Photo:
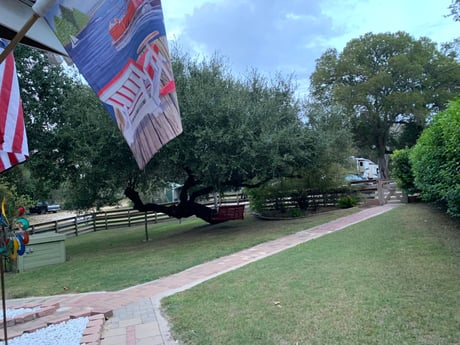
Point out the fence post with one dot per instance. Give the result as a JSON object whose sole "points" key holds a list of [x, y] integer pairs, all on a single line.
{"points": [[380, 192], [106, 220], [146, 228], [94, 221], [76, 225], [56, 226], [129, 218]]}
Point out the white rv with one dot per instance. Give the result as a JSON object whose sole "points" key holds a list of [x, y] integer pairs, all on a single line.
{"points": [[367, 168]]}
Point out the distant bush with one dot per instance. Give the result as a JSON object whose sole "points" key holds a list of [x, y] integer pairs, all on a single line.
{"points": [[347, 201], [295, 212], [289, 198], [401, 170]]}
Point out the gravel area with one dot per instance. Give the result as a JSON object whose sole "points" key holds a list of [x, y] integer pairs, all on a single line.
{"points": [[64, 333], [12, 313]]}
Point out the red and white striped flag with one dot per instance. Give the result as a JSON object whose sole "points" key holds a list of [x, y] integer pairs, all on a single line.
{"points": [[13, 138]]}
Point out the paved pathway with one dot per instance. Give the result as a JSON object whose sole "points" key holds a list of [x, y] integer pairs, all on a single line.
{"points": [[135, 312]]}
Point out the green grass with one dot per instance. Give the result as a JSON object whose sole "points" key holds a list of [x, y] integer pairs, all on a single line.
{"points": [[393, 279], [115, 259]]}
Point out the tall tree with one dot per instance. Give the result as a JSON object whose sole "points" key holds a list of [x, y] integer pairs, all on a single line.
{"points": [[383, 80], [236, 133], [44, 88], [97, 160], [334, 144]]}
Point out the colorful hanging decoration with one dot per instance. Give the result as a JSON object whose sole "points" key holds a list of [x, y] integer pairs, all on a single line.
{"points": [[14, 236]]}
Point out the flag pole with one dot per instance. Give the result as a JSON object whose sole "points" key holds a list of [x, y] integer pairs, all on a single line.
{"points": [[2, 278], [40, 8], [21, 33]]}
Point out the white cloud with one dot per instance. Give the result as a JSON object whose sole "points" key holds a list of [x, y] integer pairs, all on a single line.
{"points": [[288, 36]]}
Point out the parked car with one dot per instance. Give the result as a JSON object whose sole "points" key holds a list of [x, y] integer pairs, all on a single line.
{"points": [[44, 207]]}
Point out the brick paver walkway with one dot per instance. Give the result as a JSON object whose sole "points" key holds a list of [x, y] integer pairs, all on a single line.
{"points": [[135, 317]]}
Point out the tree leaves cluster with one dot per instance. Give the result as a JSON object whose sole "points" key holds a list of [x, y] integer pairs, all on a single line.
{"points": [[384, 82], [435, 160], [236, 133]]}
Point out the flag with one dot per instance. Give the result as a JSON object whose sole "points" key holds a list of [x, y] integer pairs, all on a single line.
{"points": [[120, 48], [13, 138]]}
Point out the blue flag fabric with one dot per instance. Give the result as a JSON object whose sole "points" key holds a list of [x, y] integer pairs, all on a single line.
{"points": [[120, 48]]}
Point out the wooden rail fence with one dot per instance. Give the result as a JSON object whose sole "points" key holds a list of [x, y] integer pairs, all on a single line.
{"points": [[126, 217], [104, 220]]}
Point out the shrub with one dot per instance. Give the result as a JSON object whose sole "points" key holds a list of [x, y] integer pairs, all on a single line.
{"points": [[435, 160], [295, 212], [347, 201], [401, 170]]}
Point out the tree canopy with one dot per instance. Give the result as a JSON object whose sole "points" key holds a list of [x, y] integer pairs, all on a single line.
{"points": [[44, 88], [236, 134], [385, 82]]}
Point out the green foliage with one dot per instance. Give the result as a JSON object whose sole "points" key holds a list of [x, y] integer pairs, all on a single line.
{"points": [[12, 200], [44, 88], [97, 159], [436, 159], [289, 194], [401, 170], [347, 201], [295, 212], [383, 80], [236, 133], [275, 192], [334, 145]]}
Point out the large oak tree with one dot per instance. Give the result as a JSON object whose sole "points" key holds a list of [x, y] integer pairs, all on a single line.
{"points": [[236, 134], [383, 81]]}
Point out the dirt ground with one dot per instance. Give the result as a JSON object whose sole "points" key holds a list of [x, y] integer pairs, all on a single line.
{"points": [[49, 217]]}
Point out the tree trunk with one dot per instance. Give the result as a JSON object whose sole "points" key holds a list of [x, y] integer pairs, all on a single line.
{"points": [[383, 167], [185, 208]]}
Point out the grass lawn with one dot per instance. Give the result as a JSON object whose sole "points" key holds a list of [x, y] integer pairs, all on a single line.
{"points": [[115, 259], [393, 279]]}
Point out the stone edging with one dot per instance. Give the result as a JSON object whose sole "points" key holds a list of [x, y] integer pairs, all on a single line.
{"points": [[91, 335]]}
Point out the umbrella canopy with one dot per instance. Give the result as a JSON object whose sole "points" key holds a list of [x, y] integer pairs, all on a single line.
{"points": [[13, 15]]}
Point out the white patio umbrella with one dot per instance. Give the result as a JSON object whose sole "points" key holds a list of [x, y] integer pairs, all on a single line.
{"points": [[24, 18]]}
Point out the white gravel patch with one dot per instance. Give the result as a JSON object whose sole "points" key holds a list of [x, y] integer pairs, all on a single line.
{"points": [[64, 333], [12, 313]]}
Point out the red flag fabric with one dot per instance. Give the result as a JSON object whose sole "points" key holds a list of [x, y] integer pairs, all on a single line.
{"points": [[13, 139]]}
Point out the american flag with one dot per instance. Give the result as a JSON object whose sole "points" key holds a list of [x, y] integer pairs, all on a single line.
{"points": [[13, 138]]}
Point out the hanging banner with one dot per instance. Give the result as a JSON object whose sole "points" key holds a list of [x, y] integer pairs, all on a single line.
{"points": [[120, 48], [13, 139]]}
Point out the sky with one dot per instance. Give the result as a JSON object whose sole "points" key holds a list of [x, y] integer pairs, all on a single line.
{"points": [[288, 36]]}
